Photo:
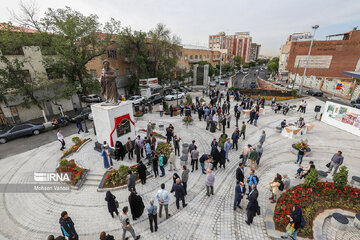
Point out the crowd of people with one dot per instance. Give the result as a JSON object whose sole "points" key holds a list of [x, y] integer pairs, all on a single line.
{"points": [[217, 116]]}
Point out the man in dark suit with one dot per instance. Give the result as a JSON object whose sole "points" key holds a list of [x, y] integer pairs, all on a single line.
{"points": [[239, 193], [253, 204], [179, 193], [240, 173]]}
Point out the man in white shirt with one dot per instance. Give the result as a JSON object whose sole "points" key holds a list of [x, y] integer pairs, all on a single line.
{"points": [[163, 196], [303, 105], [161, 109], [61, 139]]}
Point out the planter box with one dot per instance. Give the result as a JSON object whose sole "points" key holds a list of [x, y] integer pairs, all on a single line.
{"points": [[295, 151], [102, 183], [80, 182], [63, 157]]}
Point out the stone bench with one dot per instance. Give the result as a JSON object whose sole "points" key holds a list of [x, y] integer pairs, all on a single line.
{"points": [[322, 176], [355, 181], [183, 160], [185, 146], [357, 221], [279, 129], [161, 127], [339, 221]]}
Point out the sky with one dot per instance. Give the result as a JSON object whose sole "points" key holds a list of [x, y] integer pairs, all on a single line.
{"points": [[269, 22]]}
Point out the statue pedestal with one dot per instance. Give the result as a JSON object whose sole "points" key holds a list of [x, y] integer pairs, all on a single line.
{"points": [[113, 123]]}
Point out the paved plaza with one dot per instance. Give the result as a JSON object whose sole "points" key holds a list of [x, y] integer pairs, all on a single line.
{"points": [[36, 215]]}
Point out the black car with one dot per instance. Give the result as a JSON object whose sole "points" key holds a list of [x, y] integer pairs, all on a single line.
{"points": [[155, 99], [85, 112], [20, 131], [315, 92]]}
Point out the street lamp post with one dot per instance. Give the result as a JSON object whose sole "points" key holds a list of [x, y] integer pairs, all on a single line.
{"points": [[307, 59], [221, 48]]}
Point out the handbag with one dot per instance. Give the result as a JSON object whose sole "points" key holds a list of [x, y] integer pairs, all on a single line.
{"points": [[242, 156], [258, 210], [290, 229], [328, 165], [116, 204]]}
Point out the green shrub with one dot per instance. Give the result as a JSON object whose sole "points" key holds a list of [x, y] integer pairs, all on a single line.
{"points": [[63, 163], [341, 178], [123, 170], [294, 92], [76, 140], [311, 179], [232, 88], [188, 99], [165, 148], [202, 100]]}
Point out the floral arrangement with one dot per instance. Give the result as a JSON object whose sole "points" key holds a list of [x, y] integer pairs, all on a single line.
{"points": [[304, 143], [187, 119], [138, 114], [156, 134], [222, 140], [74, 147], [165, 148], [324, 195], [72, 167], [277, 97], [118, 177]]}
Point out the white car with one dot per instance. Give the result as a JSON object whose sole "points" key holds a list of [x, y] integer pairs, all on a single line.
{"points": [[222, 82], [293, 87], [136, 99], [174, 96]]}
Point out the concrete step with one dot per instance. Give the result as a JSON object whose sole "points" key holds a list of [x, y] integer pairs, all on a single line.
{"points": [[94, 177], [92, 182]]}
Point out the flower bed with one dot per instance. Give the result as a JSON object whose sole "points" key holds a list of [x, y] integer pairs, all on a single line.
{"points": [[138, 114], [77, 143], [71, 167], [187, 119], [277, 98], [165, 148], [156, 134], [324, 195], [117, 178]]}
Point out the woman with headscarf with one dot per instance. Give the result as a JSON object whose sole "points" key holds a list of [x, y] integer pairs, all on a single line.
{"points": [[110, 198], [274, 185], [136, 205], [137, 152], [175, 176], [119, 151], [216, 158], [141, 169], [105, 157], [294, 224]]}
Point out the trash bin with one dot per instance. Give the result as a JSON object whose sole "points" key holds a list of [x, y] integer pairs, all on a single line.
{"points": [[212, 126]]}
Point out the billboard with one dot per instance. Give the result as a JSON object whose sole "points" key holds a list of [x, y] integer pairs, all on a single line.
{"points": [[319, 61], [342, 116]]}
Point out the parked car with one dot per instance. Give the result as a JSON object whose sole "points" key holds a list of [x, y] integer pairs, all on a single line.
{"points": [[174, 96], [20, 131], [92, 98], [315, 92], [222, 82], [356, 105], [136, 99], [84, 113], [188, 88], [213, 84], [296, 87], [216, 79], [155, 99]]}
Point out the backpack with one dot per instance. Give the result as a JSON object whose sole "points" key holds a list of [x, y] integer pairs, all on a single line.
{"points": [[303, 222], [281, 187], [165, 159], [257, 179]]}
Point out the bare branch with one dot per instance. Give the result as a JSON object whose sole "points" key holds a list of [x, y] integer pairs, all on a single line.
{"points": [[27, 16]]}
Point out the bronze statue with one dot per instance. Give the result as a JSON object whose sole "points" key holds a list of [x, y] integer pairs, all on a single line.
{"points": [[108, 84]]}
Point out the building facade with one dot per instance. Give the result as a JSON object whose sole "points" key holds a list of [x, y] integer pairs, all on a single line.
{"points": [[327, 62], [255, 50]]}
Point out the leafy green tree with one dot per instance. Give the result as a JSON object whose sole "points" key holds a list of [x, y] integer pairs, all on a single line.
{"points": [[227, 67], [341, 178], [273, 65], [312, 178], [164, 48], [238, 61]]}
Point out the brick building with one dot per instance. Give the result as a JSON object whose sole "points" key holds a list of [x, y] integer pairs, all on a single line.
{"points": [[194, 54], [254, 52], [327, 62]]}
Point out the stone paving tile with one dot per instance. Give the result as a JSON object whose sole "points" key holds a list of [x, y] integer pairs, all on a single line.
{"points": [[35, 215]]}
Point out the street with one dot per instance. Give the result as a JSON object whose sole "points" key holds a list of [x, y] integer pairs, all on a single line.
{"points": [[27, 143], [243, 80]]}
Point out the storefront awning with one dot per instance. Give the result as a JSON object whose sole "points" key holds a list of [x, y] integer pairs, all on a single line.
{"points": [[352, 74]]}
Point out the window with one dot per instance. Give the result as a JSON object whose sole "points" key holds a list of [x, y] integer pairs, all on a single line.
{"points": [[25, 74], [53, 74], [117, 72], [112, 54], [200, 57], [196, 56], [93, 73], [191, 57], [128, 72], [185, 58]]}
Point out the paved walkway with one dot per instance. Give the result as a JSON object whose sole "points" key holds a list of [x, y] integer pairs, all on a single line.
{"points": [[36, 215]]}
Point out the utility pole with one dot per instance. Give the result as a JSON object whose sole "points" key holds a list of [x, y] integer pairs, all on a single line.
{"points": [[221, 48], [307, 59]]}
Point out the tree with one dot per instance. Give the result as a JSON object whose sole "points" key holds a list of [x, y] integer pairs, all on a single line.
{"points": [[238, 61], [133, 46], [227, 67], [273, 65], [164, 48], [341, 178], [75, 39]]}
